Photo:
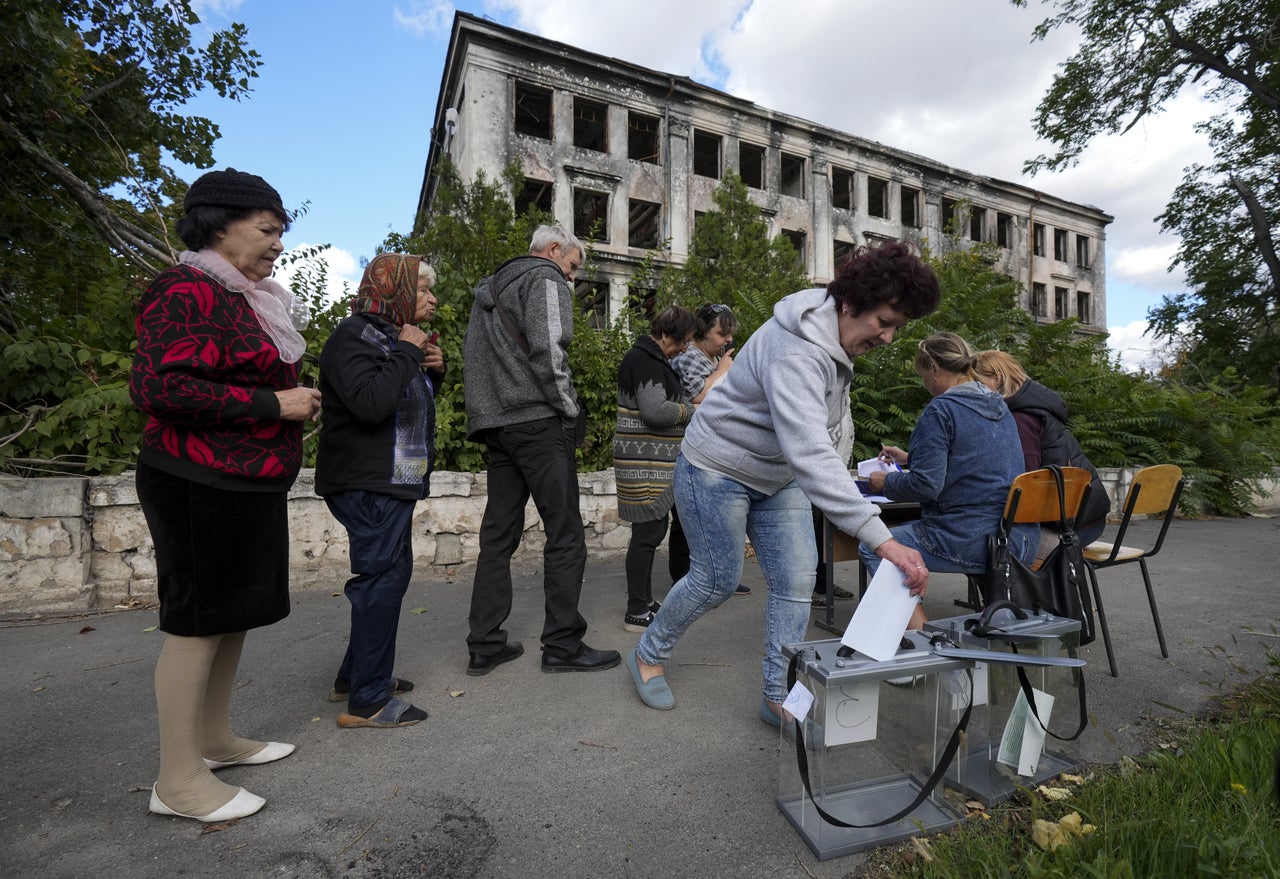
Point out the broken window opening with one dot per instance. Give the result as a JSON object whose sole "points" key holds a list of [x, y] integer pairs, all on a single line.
{"points": [[842, 189], [1037, 239], [534, 195], [1083, 310], [910, 199], [706, 154], [977, 224], [1061, 296], [1039, 300], [642, 137], [798, 241], [642, 223], [593, 299], [1060, 245], [792, 182], [533, 111], [591, 215], [841, 253], [590, 124], [751, 164], [1083, 257], [877, 197], [1004, 230]]}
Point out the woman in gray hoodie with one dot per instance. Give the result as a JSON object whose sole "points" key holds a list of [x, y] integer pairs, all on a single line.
{"points": [[774, 436]]}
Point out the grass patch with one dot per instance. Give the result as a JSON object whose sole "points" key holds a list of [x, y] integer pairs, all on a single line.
{"points": [[1203, 805]]}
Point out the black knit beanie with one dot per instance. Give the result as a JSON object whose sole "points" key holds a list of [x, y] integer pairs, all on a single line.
{"points": [[232, 189]]}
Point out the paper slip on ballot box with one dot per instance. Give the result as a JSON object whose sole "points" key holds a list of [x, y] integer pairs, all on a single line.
{"points": [[873, 739], [1007, 745]]}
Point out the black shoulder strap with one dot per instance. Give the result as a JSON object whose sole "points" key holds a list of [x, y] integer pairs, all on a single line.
{"points": [[944, 762]]}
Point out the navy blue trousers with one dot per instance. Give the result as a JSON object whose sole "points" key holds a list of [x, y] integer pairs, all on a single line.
{"points": [[378, 533]]}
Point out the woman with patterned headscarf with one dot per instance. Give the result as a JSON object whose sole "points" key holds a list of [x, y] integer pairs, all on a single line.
{"points": [[379, 373]]}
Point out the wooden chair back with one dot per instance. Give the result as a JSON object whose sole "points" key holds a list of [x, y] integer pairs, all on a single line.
{"points": [[1154, 490], [1033, 497]]}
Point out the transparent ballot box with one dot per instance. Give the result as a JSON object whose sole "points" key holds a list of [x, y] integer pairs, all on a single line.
{"points": [[874, 740], [1008, 746]]}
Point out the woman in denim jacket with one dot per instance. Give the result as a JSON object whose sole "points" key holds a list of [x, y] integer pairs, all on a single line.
{"points": [[965, 454]]}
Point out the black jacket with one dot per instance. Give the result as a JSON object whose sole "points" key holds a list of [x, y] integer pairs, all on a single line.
{"points": [[378, 412], [1057, 444]]}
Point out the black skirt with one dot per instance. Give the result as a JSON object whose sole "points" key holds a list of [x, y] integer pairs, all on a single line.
{"points": [[222, 557]]}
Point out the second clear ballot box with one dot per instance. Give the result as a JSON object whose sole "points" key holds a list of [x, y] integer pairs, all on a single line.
{"points": [[1009, 746]]}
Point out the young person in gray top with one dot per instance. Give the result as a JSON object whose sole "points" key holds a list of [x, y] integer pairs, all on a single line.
{"points": [[773, 436], [521, 404]]}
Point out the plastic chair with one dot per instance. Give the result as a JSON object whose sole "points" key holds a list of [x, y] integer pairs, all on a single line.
{"points": [[1033, 498], [1154, 492]]}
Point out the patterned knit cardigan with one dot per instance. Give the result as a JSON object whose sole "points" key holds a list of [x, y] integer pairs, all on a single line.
{"points": [[652, 414]]}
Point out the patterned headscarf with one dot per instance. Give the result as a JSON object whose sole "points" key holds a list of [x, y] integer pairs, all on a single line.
{"points": [[389, 288]]}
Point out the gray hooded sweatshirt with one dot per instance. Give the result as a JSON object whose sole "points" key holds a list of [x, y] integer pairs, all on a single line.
{"points": [[503, 384], [781, 413]]}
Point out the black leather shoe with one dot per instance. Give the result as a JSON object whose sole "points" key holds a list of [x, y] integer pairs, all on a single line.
{"points": [[483, 663], [588, 659]]}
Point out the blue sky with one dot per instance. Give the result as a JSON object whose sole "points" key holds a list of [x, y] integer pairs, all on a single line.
{"points": [[341, 111]]}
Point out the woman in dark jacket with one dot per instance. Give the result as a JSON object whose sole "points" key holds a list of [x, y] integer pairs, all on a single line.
{"points": [[652, 414], [216, 372], [1041, 416], [378, 375]]}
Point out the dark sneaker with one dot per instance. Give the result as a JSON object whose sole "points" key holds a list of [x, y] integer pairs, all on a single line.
{"points": [[637, 624], [586, 659], [396, 713], [743, 589], [841, 594], [655, 607], [483, 663]]}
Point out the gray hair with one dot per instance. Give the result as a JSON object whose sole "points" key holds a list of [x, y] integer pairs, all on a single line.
{"points": [[424, 269], [545, 236]]}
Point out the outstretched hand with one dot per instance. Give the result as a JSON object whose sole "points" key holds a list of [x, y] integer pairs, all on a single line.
{"points": [[909, 561]]}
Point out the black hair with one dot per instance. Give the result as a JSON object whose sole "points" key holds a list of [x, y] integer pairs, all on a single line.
{"points": [[889, 272], [199, 224], [709, 315], [675, 322]]}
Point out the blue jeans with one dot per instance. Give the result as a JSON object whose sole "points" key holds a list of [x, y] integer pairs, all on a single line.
{"points": [[1023, 541], [718, 514], [378, 534]]}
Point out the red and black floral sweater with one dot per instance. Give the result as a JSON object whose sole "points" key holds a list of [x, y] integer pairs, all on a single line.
{"points": [[206, 373]]}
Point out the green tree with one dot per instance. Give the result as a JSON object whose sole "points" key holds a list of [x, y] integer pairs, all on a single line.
{"points": [[1133, 58], [732, 260]]}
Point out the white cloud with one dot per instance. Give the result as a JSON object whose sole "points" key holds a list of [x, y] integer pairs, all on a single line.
{"points": [[1136, 350], [343, 270], [222, 8], [425, 16]]}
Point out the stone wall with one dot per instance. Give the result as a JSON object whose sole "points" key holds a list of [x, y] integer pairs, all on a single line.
{"points": [[82, 543]]}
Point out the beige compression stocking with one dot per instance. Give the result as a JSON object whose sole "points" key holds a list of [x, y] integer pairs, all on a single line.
{"points": [[182, 680], [217, 741]]}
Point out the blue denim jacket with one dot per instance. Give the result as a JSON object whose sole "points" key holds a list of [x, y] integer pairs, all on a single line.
{"points": [[964, 455]]}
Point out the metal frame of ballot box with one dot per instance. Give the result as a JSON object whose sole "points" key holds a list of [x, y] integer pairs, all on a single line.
{"points": [[1007, 742], [864, 767]]}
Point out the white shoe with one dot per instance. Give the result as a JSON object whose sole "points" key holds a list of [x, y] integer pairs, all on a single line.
{"points": [[272, 752], [240, 806]]}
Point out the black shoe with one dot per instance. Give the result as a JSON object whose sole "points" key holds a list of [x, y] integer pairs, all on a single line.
{"points": [[587, 659], [655, 607], [637, 623], [483, 663], [743, 589]]}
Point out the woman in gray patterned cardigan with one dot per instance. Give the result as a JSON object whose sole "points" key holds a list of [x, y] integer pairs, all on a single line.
{"points": [[652, 414]]}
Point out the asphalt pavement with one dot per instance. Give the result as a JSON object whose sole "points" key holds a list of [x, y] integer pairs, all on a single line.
{"points": [[520, 773]]}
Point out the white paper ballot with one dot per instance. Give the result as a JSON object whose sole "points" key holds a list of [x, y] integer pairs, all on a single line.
{"points": [[798, 701], [1023, 740], [873, 465], [881, 616]]}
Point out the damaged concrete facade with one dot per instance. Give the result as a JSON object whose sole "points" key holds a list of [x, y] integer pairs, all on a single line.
{"points": [[629, 158]]}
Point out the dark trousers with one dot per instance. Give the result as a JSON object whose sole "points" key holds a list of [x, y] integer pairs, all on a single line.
{"points": [[532, 459], [378, 533], [677, 549], [645, 537]]}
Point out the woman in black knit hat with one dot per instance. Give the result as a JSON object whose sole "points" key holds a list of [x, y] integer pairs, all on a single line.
{"points": [[216, 371]]}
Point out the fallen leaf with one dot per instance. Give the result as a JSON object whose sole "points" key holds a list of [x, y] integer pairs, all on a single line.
{"points": [[37, 689], [1047, 834], [1054, 794], [1073, 779], [418, 610], [334, 594], [84, 629], [221, 825], [456, 693], [150, 628], [314, 719]]}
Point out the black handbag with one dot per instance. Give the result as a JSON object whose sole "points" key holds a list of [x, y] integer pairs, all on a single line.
{"points": [[1059, 586]]}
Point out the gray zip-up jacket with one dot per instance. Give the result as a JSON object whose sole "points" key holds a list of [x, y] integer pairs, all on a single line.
{"points": [[501, 383], [781, 413]]}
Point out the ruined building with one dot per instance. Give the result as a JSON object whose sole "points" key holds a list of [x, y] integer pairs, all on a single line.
{"points": [[636, 154]]}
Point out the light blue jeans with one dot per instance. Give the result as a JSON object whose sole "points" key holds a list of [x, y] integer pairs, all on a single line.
{"points": [[718, 514]]}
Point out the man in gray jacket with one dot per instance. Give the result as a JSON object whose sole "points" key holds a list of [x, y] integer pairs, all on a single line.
{"points": [[521, 404]]}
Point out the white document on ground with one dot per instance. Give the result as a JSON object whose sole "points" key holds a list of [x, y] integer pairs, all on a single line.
{"points": [[1023, 739], [881, 616]]}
